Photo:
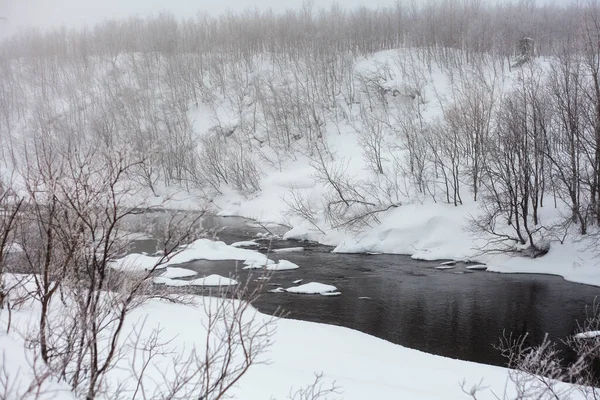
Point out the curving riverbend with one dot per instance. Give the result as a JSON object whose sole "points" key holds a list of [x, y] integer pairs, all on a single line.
{"points": [[455, 313]]}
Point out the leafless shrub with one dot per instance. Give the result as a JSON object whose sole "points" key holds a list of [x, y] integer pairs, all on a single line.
{"points": [[225, 162], [314, 391], [540, 372], [300, 205]]}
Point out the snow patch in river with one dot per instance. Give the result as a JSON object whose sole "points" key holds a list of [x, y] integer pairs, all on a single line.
{"points": [[282, 265], [312, 288], [175, 272]]}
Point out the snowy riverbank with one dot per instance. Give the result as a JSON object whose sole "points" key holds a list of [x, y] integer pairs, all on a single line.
{"points": [[360, 365]]}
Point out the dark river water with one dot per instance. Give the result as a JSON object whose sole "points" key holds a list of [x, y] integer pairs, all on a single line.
{"points": [[455, 313]]}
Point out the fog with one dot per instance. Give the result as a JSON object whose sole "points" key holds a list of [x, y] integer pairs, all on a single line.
{"points": [[23, 14]]}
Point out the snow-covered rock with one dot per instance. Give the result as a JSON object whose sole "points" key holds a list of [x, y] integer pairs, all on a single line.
{"points": [[282, 265], [312, 288]]}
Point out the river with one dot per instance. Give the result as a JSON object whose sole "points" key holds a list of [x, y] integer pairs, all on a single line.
{"points": [[455, 313]]}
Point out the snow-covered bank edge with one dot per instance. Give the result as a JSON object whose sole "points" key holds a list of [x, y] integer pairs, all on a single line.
{"points": [[435, 232]]}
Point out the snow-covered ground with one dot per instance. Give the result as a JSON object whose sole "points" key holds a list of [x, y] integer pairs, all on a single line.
{"points": [[362, 366]]}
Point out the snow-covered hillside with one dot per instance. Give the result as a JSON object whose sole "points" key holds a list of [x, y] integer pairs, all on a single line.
{"points": [[447, 130]]}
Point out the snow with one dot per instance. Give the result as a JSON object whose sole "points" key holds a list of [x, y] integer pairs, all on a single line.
{"points": [[246, 243], [282, 265], [477, 267], [202, 249], [261, 262], [297, 281], [210, 280], [331, 294], [587, 335], [20, 374], [425, 231], [277, 290], [419, 227], [449, 263], [443, 267], [213, 280], [175, 272], [312, 288], [13, 248], [288, 250]]}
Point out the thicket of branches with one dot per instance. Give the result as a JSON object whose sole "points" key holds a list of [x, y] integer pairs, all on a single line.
{"points": [[70, 215]]}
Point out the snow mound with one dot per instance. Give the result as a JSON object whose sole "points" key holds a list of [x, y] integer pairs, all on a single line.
{"points": [[426, 231], [288, 250], [175, 272], [478, 267], [213, 280], [297, 281], [247, 243], [331, 294], [277, 290], [587, 335], [282, 265], [312, 288]]}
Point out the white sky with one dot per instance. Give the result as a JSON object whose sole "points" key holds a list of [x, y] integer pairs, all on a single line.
{"points": [[19, 14]]}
